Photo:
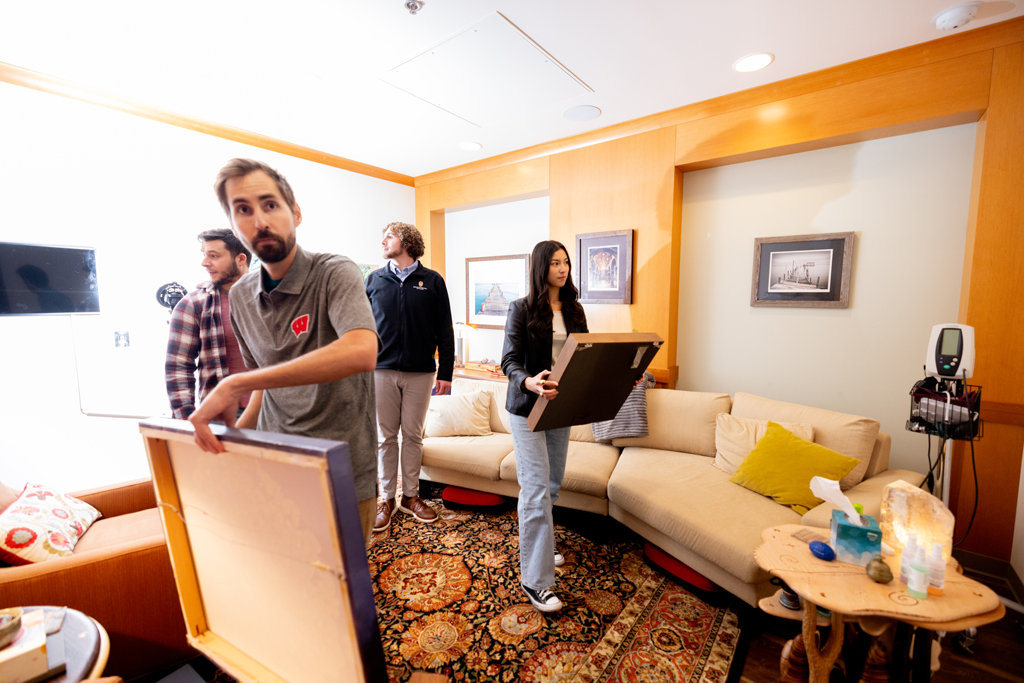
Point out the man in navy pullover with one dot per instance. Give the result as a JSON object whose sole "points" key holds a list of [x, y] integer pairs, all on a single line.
{"points": [[414, 317]]}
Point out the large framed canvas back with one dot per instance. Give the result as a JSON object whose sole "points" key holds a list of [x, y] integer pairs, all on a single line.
{"points": [[595, 373], [268, 554]]}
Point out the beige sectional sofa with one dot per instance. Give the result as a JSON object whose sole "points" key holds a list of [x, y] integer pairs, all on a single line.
{"points": [[666, 486]]}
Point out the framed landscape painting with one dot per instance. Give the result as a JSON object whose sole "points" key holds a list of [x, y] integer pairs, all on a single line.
{"points": [[492, 283], [603, 267], [803, 271]]}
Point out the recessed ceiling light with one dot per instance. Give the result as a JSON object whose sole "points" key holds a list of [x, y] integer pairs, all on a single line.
{"points": [[581, 112], [754, 62], [470, 146]]}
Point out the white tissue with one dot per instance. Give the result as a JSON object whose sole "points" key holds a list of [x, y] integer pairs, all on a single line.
{"points": [[828, 490]]}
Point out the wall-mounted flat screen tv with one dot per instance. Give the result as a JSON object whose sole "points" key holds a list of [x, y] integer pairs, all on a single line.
{"points": [[47, 280]]}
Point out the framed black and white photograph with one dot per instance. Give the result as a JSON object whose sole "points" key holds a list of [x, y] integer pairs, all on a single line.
{"points": [[809, 271], [492, 283], [603, 267]]}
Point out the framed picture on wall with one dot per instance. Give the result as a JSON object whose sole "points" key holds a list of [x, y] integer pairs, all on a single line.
{"points": [[365, 269], [492, 283], [603, 267], [803, 271]]}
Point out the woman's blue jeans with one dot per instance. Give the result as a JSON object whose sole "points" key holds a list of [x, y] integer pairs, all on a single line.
{"points": [[540, 465]]}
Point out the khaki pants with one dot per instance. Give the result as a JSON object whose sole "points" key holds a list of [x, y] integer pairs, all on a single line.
{"points": [[402, 402]]}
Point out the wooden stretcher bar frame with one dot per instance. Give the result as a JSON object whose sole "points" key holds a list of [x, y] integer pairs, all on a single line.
{"points": [[333, 461]]}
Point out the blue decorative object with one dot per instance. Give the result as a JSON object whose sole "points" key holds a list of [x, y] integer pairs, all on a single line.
{"points": [[822, 551]]}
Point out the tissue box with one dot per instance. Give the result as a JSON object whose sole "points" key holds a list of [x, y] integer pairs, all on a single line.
{"points": [[852, 543]]}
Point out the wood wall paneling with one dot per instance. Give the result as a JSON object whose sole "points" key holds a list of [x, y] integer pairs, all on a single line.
{"points": [[982, 39], [990, 302], [528, 177], [884, 105], [58, 86], [627, 183], [993, 304], [431, 226], [998, 459]]}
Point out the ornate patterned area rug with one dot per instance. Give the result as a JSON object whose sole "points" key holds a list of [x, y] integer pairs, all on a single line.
{"points": [[450, 602]]}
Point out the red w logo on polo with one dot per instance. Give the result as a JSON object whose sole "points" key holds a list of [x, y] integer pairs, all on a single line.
{"points": [[300, 325]]}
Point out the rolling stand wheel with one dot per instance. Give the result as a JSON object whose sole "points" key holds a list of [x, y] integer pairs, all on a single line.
{"points": [[965, 640]]}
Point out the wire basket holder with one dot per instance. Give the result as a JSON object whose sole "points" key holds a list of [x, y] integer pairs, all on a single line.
{"points": [[948, 409]]}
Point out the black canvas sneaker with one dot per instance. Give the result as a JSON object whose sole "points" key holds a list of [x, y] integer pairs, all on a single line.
{"points": [[543, 600]]}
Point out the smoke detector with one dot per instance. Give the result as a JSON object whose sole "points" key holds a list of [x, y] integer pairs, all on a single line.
{"points": [[955, 17]]}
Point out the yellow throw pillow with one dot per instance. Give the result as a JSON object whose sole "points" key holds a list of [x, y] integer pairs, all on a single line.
{"points": [[462, 415], [735, 437], [782, 465]]}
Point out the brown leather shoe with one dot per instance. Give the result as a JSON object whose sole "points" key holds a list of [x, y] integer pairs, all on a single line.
{"points": [[420, 511], [385, 511]]}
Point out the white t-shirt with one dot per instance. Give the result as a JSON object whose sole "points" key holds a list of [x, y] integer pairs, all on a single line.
{"points": [[558, 335]]}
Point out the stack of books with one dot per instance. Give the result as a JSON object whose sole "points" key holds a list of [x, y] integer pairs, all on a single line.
{"points": [[33, 655], [492, 369]]}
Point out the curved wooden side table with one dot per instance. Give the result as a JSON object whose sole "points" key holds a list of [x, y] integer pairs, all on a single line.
{"points": [[852, 596]]}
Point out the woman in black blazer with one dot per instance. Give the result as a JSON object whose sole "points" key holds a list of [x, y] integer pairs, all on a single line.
{"points": [[535, 332]]}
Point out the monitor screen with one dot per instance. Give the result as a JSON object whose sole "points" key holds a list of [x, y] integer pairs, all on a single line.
{"points": [[950, 344], [47, 280]]}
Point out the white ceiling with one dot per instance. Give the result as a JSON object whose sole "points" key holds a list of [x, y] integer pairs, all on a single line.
{"points": [[309, 71]]}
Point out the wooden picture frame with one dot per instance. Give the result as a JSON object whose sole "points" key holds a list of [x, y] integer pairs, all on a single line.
{"points": [[492, 283], [603, 267], [803, 271]]}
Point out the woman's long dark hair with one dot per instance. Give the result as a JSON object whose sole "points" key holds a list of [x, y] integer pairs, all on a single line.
{"points": [[540, 307]]}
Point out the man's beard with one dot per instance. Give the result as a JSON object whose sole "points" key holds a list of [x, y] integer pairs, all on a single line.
{"points": [[273, 253], [229, 277]]}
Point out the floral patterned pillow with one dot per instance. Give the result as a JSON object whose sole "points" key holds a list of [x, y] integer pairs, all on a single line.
{"points": [[42, 524]]}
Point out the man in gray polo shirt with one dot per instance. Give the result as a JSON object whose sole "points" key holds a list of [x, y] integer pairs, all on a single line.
{"points": [[305, 323]]}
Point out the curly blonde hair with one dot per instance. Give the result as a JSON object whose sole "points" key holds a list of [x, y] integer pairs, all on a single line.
{"points": [[409, 236]]}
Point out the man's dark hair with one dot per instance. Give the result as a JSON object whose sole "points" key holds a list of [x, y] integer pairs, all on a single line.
{"points": [[233, 244], [239, 168], [410, 238]]}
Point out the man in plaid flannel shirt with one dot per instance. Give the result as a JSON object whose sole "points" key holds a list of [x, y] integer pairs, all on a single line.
{"points": [[201, 333]]}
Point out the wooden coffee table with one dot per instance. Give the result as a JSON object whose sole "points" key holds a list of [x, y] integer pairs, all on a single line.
{"points": [[852, 596]]}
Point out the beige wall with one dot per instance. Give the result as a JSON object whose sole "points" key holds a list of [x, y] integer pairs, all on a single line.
{"points": [[906, 198]]}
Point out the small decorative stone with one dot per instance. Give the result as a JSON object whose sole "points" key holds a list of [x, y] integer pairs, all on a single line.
{"points": [[822, 551], [878, 570]]}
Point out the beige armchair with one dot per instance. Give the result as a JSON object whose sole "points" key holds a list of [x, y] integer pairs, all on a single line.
{"points": [[120, 575]]}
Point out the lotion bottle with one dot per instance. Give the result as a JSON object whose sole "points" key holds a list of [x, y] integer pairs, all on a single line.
{"points": [[936, 570], [909, 551], [917, 577]]}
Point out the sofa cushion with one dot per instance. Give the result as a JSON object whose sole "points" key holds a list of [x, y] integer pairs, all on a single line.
{"points": [[582, 433], [461, 415], [42, 524], [121, 529], [588, 466], [735, 437], [7, 496], [782, 466], [851, 435], [687, 498], [498, 391], [478, 456], [681, 421]]}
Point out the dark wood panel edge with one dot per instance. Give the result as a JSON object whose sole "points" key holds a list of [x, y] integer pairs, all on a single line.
{"points": [[1002, 413]]}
